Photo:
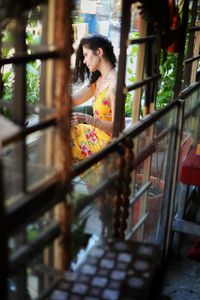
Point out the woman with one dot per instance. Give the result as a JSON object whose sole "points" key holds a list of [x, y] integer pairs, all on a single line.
{"points": [[96, 60]]}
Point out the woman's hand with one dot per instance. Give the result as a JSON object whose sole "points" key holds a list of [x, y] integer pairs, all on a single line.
{"points": [[78, 118]]}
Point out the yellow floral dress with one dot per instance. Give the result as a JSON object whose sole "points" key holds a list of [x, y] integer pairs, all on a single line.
{"points": [[86, 139]]}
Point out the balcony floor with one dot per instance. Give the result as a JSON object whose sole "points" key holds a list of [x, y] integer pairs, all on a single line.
{"points": [[182, 275]]}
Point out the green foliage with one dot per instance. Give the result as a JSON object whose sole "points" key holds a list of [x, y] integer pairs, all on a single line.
{"points": [[128, 104], [32, 76], [8, 79], [32, 69], [131, 74], [167, 82]]}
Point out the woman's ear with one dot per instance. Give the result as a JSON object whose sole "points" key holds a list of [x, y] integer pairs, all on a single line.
{"points": [[100, 52]]}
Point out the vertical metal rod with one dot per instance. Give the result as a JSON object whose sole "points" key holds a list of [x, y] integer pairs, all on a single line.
{"points": [[188, 68], [120, 93], [179, 69], [168, 232], [19, 97], [19, 117], [63, 40], [3, 242]]}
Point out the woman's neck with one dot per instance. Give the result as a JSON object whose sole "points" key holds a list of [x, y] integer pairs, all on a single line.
{"points": [[105, 70]]}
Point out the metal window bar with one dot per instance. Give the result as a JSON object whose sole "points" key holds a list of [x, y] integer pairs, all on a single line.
{"points": [[24, 58], [194, 28], [49, 191], [192, 59], [143, 40], [179, 69], [191, 46], [147, 122], [32, 208], [25, 131], [142, 83], [25, 254], [136, 130], [140, 124], [119, 108], [3, 241], [121, 89]]}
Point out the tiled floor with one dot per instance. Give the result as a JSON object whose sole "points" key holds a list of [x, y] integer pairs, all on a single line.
{"points": [[182, 277]]}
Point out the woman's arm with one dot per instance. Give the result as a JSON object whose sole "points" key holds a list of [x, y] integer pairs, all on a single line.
{"points": [[106, 126], [82, 95]]}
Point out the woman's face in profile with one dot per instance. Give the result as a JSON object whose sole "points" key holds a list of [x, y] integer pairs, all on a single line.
{"points": [[91, 59]]}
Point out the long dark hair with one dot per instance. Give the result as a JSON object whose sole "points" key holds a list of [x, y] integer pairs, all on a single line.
{"points": [[93, 42]]}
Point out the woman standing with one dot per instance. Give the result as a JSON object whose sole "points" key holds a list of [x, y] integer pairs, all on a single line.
{"points": [[95, 60]]}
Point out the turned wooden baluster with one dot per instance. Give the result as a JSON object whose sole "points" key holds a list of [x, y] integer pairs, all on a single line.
{"points": [[126, 180], [128, 156], [119, 162]]}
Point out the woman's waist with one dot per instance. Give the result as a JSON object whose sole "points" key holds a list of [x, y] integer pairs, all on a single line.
{"points": [[103, 117]]}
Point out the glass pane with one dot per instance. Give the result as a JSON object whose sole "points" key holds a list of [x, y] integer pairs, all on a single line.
{"points": [[42, 161], [152, 155], [12, 172]]}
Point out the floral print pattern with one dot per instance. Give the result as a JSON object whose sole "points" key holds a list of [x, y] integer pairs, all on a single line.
{"points": [[86, 139]]}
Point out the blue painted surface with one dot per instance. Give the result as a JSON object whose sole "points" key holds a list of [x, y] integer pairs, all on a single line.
{"points": [[91, 20]]}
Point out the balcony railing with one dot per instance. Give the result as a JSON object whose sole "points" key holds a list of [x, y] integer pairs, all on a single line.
{"points": [[127, 190]]}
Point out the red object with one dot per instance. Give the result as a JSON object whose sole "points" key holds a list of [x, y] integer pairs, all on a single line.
{"points": [[194, 252], [190, 169], [175, 28]]}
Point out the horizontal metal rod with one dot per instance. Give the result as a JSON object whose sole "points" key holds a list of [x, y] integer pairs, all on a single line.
{"points": [[190, 60], [142, 83], [35, 109], [146, 152], [114, 145], [142, 40], [164, 133], [189, 90], [191, 112], [23, 58], [32, 206], [26, 253], [194, 28], [184, 226], [143, 189], [151, 148], [51, 286], [101, 188], [137, 226], [43, 124]]}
